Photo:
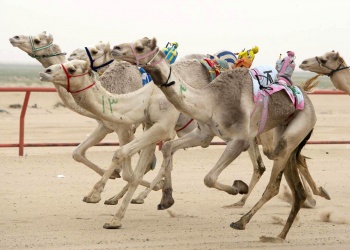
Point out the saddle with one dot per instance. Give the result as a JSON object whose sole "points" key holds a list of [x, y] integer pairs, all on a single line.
{"points": [[215, 66]]}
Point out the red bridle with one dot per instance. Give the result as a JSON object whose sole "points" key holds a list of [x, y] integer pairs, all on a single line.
{"points": [[70, 76]]}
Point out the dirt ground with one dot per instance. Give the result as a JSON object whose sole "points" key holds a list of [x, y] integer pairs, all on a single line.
{"points": [[41, 193]]}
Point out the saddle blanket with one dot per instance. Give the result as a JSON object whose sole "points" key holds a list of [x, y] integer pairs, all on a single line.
{"points": [[265, 83], [215, 66]]}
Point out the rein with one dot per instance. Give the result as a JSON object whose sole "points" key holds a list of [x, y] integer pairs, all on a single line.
{"points": [[167, 83], [41, 48], [70, 76], [95, 68], [139, 57], [332, 70]]}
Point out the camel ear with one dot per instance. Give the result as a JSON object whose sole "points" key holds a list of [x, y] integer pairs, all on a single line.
{"points": [[336, 56], [49, 38], [153, 43], [86, 66], [107, 48]]}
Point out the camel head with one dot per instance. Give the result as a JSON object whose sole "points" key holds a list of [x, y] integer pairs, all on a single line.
{"points": [[78, 54], [37, 45], [71, 75], [98, 54], [142, 52], [332, 65], [324, 64]]}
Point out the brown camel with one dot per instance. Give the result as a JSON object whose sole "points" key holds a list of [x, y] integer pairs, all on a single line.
{"points": [[225, 108]]}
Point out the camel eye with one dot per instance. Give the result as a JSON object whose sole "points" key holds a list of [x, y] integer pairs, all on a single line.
{"points": [[139, 49], [94, 52], [71, 71], [36, 41], [323, 61]]}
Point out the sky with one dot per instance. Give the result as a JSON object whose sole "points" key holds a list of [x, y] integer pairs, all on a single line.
{"points": [[307, 27]]}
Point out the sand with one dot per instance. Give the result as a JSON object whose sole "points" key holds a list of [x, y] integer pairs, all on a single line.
{"points": [[41, 193]]}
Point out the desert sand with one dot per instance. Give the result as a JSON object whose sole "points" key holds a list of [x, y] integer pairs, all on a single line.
{"points": [[41, 193]]}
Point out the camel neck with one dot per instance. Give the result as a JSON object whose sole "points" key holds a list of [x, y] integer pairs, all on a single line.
{"points": [[127, 108], [186, 99], [341, 80]]}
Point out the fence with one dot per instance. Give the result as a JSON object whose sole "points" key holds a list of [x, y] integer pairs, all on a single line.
{"points": [[28, 91]]}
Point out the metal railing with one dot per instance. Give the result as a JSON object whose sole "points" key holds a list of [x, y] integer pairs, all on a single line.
{"points": [[28, 91]]}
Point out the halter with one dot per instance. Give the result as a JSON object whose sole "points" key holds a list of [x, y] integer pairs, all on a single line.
{"points": [[41, 48], [332, 70], [68, 81], [139, 57], [95, 68]]}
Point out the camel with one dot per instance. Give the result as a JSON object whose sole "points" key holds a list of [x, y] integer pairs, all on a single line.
{"points": [[147, 105], [265, 139], [225, 108], [332, 65], [42, 48]]}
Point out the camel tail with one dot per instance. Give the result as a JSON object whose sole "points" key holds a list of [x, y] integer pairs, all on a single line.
{"points": [[310, 84]]}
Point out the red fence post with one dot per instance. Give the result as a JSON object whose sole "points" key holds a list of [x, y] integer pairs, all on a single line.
{"points": [[21, 122]]}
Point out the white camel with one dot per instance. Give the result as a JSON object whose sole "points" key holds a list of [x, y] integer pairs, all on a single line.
{"points": [[330, 64], [225, 108], [115, 80], [98, 58]]}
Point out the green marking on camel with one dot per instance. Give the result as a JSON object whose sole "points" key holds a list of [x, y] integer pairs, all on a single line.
{"points": [[110, 102], [182, 89]]}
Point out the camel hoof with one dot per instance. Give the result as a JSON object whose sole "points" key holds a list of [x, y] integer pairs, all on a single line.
{"points": [[116, 174], [91, 200], [109, 226], [272, 239], [324, 193], [163, 206], [238, 204], [241, 186], [111, 202], [310, 203], [237, 225], [137, 201]]}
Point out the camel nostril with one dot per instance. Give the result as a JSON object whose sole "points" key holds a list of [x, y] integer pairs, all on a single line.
{"points": [[116, 48], [304, 62], [16, 37], [48, 71]]}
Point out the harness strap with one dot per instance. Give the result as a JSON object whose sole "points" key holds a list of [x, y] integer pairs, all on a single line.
{"points": [[95, 68], [70, 76], [188, 123]]}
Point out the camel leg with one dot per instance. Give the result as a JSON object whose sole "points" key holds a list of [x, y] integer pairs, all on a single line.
{"points": [[233, 149], [195, 138], [266, 140], [293, 179], [258, 170], [295, 134], [320, 191], [149, 137], [95, 137]]}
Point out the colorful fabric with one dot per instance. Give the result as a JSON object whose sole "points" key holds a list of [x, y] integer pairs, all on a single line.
{"points": [[215, 67], [146, 78], [226, 55]]}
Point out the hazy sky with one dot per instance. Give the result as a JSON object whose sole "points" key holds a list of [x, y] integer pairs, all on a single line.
{"points": [[307, 27]]}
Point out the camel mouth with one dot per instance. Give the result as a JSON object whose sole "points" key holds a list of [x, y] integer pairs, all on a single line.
{"points": [[45, 77], [14, 42], [303, 66]]}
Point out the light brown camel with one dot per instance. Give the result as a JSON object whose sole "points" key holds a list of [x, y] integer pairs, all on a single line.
{"points": [[97, 57], [332, 65], [147, 105], [115, 80], [225, 108]]}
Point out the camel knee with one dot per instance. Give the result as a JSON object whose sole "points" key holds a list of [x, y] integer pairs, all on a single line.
{"points": [[281, 147], [77, 156], [167, 149], [209, 180]]}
